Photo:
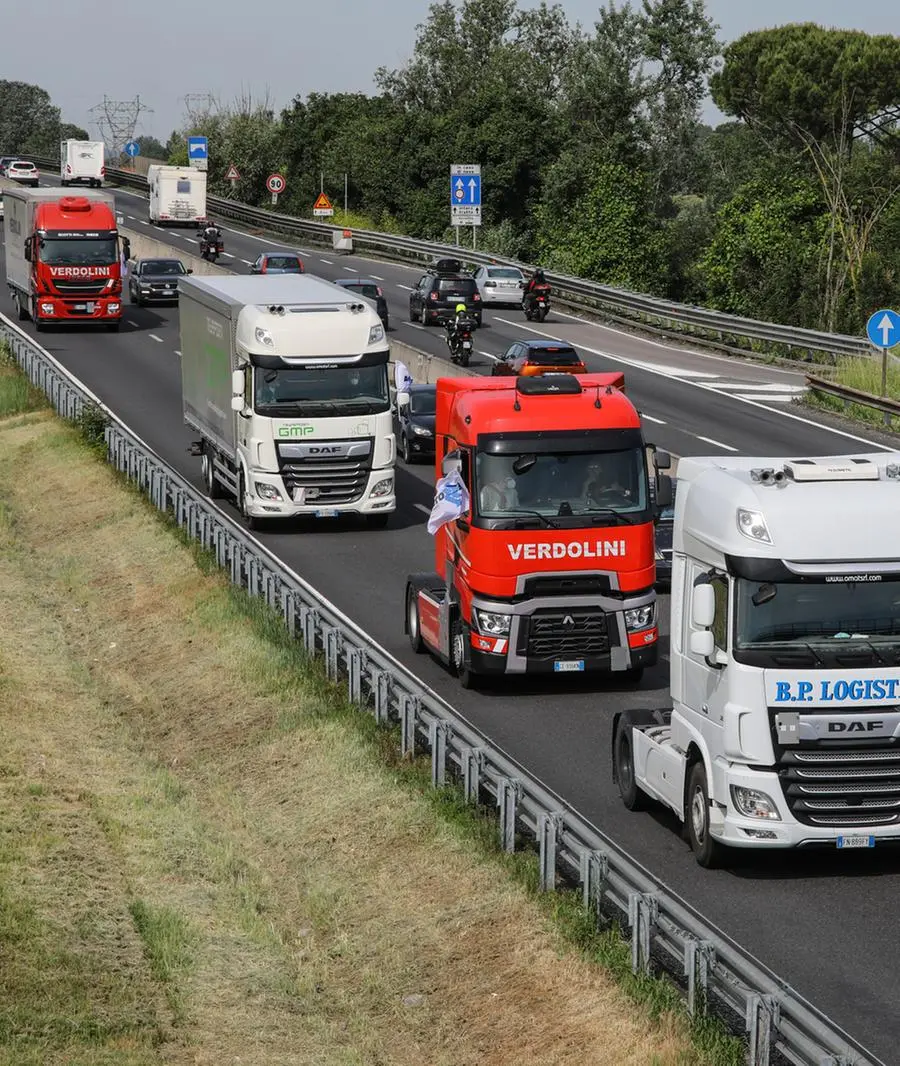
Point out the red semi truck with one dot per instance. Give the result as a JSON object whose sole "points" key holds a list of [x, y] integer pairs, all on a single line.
{"points": [[548, 564], [63, 256]]}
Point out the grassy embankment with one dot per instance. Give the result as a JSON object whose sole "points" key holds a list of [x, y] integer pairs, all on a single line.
{"points": [[865, 375], [208, 856]]}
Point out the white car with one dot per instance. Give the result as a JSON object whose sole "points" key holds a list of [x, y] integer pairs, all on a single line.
{"points": [[1, 205], [23, 172], [500, 285]]}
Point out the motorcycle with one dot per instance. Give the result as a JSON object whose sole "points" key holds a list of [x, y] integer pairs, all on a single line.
{"points": [[211, 250], [536, 304], [459, 341]]}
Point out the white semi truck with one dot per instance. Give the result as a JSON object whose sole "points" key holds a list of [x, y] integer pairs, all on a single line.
{"points": [[285, 378], [177, 195], [784, 730], [82, 163]]}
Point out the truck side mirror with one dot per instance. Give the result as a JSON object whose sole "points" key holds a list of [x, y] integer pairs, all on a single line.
{"points": [[662, 460], [452, 461], [402, 399], [664, 494], [703, 606], [703, 643], [126, 247], [237, 387], [28, 246], [237, 404]]}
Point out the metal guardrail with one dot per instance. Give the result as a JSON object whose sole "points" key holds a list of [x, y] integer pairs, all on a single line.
{"points": [[889, 408], [666, 932], [637, 309]]}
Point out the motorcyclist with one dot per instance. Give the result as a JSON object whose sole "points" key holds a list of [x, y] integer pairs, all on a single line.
{"points": [[210, 236], [462, 322], [536, 283]]}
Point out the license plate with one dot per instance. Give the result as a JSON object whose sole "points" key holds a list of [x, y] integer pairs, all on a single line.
{"points": [[90, 308], [569, 666], [327, 514], [858, 841]]}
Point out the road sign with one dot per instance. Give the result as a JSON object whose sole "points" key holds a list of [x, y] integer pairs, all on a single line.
{"points": [[465, 194], [275, 183], [198, 152], [322, 208], [883, 329], [132, 149], [231, 174]]}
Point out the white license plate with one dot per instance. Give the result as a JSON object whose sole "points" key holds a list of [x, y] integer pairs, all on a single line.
{"points": [[570, 666], [327, 514], [857, 841], [90, 308]]}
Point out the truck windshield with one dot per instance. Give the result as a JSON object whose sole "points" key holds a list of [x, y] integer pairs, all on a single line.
{"points": [[78, 251], [821, 613], [609, 486], [300, 392]]}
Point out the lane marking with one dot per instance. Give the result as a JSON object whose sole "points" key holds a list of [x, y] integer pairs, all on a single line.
{"points": [[488, 355], [415, 325], [377, 278], [328, 261], [400, 285], [154, 337], [650, 418], [178, 353], [247, 262], [190, 240], [228, 255], [789, 398], [772, 386], [350, 270], [715, 443], [421, 507]]}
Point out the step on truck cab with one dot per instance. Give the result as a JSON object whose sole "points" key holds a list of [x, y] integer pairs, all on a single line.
{"points": [[551, 568], [285, 379], [784, 729], [177, 195], [64, 256]]}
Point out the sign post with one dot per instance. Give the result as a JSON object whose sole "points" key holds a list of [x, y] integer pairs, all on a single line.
{"points": [[883, 331], [323, 207], [465, 197], [275, 183], [198, 152]]}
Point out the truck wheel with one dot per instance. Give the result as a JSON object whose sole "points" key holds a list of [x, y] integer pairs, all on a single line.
{"points": [[213, 488], [21, 311], [708, 852], [633, 798], [251, 520], [412, 620], [405, 453], [377, 521], [458, 639]]}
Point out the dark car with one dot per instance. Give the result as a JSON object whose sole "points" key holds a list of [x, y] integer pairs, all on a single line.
{"points": [[278, 263], [665, 523], [5, 160], [415, 422], [155, 280], [437, 293], [531, 358], [371, 290]]}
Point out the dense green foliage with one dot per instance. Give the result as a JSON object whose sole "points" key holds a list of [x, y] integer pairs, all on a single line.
{"points": [[594, 160]]}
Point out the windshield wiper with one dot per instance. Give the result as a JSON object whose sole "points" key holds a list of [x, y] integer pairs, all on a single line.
{"points": [[294, 408], [536, 514], [786, 645], [594, 516]]}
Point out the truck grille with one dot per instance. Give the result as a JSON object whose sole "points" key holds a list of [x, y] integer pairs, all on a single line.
{"points": [[82, 287], [552, 633], [841, 786], [327, 479]]}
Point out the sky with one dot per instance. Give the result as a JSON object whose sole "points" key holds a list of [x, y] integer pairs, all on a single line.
{"points": [[91, 49]]}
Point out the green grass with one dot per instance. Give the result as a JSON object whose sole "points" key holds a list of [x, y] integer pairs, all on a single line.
{"points": [[167, 940], [865, 376], [17, 395]]}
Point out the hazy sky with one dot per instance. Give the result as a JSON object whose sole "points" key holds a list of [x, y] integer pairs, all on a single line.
{"points": [[91, 48]]}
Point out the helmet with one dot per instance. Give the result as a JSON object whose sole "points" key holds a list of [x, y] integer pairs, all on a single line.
{"points": [[539, 275], [460, 309]]}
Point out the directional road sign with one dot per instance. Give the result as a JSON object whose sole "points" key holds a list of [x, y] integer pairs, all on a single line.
{"points": [[198, 149], [275, 183], [323, 208], [883, 329], [465, 194], [132, 149]]}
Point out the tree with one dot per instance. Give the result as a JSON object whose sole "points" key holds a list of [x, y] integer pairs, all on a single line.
{"points": [[28, 120], [68, 132], [151, 148]]}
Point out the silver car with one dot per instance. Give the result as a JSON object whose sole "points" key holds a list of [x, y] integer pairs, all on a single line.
{"points": [[500, 285]]}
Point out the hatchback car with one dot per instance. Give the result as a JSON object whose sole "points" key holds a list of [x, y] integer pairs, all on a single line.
{"points": [[529, 358], [500, 285], [155, 280], [5, 160], [23, 172], [370, 290], [415, 422], [437, 294], [278, 263]]}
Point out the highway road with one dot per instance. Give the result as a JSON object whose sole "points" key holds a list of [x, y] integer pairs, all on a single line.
{"points": [[821, 921]]}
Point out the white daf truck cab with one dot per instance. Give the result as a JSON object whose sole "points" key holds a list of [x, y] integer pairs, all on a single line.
{"points": [[784, 729], [285, 379]]}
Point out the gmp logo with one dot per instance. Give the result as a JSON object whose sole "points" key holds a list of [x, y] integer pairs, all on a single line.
{"points": [[295, 431]]}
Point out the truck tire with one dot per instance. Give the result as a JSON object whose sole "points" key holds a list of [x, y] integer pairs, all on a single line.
{"points": [[459, 637], [251, 520], [21, 311], [413, 629], [623, 754], [213, 488], [709, 853]]}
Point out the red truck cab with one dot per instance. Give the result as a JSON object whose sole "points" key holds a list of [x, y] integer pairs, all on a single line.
{"points": [[551, 569]]}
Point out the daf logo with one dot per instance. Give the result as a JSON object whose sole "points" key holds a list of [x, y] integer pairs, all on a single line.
{"points": [[324, 450], [568, 621], [872, 726]]}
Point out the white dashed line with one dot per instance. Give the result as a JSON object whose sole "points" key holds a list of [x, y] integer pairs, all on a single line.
{"points": [[247, 262], [650, 418], [377, 278], [130, 322], [178, 353], [401, 286], [415, 325], [191, 240], [421, 507], [716, 443], [133, 218], [349, 270], [328, 261], [143, 222], [488, 355], [154, 337], [228, 255]]}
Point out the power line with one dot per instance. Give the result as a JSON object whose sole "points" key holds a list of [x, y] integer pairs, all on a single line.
{"points": [[198, 106], [118, 120]]}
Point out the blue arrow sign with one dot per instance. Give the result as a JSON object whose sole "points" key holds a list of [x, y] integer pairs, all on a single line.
{"points": [[883, 329], [465, 190], [132, 149], [198, 148]]}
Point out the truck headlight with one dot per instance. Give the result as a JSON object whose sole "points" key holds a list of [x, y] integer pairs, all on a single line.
{"points": [[267, 492], [376, 333], [752, 803], [112, 309], [640, 617], [490, 624], [382, 488], [422, 431], [47, 309]]}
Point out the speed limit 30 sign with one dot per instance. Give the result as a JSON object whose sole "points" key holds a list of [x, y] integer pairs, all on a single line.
{"points": [[275, 183]]}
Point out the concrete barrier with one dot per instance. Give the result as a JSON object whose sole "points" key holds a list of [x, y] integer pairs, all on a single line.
{"points": [[144, 247]]}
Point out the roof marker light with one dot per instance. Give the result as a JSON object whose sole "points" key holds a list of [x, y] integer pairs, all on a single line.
{"points": [[753, 525]]}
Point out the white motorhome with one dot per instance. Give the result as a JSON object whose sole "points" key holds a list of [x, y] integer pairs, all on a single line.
{"points": [[784, 730], [285, 378], [82, 163], [177, 195]]}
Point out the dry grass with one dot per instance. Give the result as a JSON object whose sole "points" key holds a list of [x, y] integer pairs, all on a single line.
{"points": [[199, 864], [864, 375]]}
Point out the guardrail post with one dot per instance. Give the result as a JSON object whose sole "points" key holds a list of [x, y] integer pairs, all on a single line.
{"points": [[508, 791], [221, 547], [382, 683], [594, 875], [549, 825], [270, 585], [473, 760], [332, 651], [354, 674], [309, 619], [699, 958], [763, 1015], [289, 610], [409, 719], [237, 563], [438, 732], [642, 913]]}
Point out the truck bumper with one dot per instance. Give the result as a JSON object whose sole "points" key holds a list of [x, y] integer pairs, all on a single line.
{"points": [[268, 498], [731, 827], [55, 309]]}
